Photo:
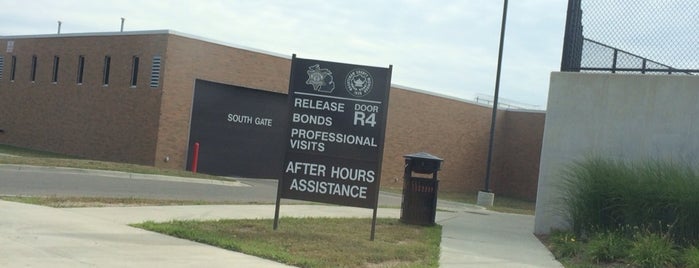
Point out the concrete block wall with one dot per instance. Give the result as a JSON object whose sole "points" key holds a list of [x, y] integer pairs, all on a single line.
{"points": [[616, 116]]}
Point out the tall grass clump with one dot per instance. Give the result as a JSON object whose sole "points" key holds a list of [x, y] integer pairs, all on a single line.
{"points": [[690, 257], [563, 244], [605, 247], [611, 195], [653, 250]]}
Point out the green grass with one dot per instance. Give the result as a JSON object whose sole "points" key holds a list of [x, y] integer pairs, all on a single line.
{"points": [[606, 247], [606, 195], [691, 257], [75, 202], [317, 242], [39, 158], [638, 248], [651, 250], [629, 214], [500, 204], [18, 151]]}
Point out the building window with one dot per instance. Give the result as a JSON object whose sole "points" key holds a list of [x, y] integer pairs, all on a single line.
{"points": [[81, 69], [12, 68], [105, 71], [33, 71], [54, 73], [155, 72], [2, 65], [134, 71]]}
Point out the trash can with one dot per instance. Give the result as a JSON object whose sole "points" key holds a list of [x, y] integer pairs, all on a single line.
{"points": [[419, 204]]}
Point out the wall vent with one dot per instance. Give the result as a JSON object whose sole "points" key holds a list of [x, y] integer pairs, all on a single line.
{"points": [[155, 72]]}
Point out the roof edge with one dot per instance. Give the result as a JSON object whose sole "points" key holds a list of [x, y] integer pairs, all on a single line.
{"points": [[213, 41], [431, 93], [148, 32]]}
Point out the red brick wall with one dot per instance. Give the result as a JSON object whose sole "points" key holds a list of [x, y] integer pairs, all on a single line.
{"points": [[189, 59], [518, 149], [453, 130], [114, 122], [458, 132], [145, 125]]}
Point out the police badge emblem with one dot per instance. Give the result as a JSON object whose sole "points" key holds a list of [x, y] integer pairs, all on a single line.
{"points": [[359, 82], [320, 78]]}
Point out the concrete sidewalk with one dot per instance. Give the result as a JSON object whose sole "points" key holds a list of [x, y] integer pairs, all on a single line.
{"points": [[472, 238], [35, 236]]}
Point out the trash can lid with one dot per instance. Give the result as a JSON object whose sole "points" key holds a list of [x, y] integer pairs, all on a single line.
{"points": [[423, 155]]}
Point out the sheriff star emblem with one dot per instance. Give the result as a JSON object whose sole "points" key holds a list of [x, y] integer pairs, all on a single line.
{"points": [[320, 78]]}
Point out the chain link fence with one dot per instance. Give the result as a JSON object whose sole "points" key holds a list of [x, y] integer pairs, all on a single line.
{"points": [[631, 36]]}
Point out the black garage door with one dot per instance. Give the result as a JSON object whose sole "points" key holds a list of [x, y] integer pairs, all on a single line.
{"points": [[240, 130]]}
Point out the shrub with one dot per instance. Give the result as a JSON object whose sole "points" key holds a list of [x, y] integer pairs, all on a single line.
{"points": [[607, 247], [653, 250]]}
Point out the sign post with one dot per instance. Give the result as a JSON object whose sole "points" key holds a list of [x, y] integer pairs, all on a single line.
{"points": [[337, 119]]}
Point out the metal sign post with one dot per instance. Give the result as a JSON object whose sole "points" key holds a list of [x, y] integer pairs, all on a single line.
{"points": [[337, 119]]}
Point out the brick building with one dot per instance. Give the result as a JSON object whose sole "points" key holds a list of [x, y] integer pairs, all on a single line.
{"points": [[129, 97]]}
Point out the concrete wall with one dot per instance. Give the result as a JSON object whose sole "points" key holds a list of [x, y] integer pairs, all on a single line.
{"points": [[627, 117]]}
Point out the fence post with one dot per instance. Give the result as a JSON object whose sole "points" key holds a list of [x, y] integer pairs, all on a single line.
{"points": [[616, 51]]}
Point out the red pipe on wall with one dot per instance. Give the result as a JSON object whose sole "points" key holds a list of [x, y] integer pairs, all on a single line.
{"points": [[195, 157]]}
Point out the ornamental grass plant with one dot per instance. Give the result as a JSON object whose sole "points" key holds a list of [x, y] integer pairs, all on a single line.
{"points": [[650, 250], [606, 247], [690, 257], [602, 195]]}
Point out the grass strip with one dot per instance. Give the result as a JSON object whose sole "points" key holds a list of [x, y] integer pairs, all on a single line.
{"points": [[316, 242], [24, 152], [501, 204], [79, 202], [22, 156]]}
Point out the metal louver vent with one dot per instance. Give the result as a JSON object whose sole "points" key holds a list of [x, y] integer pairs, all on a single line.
{"points": [[2, 65], [155, 72]]}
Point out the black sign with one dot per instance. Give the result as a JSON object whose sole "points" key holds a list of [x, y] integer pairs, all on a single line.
{"points": [[337, 118]]}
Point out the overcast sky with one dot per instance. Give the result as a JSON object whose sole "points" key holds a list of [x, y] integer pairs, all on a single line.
{"points": [[444, 46]]}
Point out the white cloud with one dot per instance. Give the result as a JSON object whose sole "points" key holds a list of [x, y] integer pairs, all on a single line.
{"points": [[449, 47]]}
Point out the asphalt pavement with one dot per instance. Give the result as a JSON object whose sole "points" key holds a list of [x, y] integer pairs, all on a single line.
{"points": [[59, 181], [36, 236]]}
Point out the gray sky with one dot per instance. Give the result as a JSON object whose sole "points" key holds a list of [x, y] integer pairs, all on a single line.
{"points": [[447, 47]]}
